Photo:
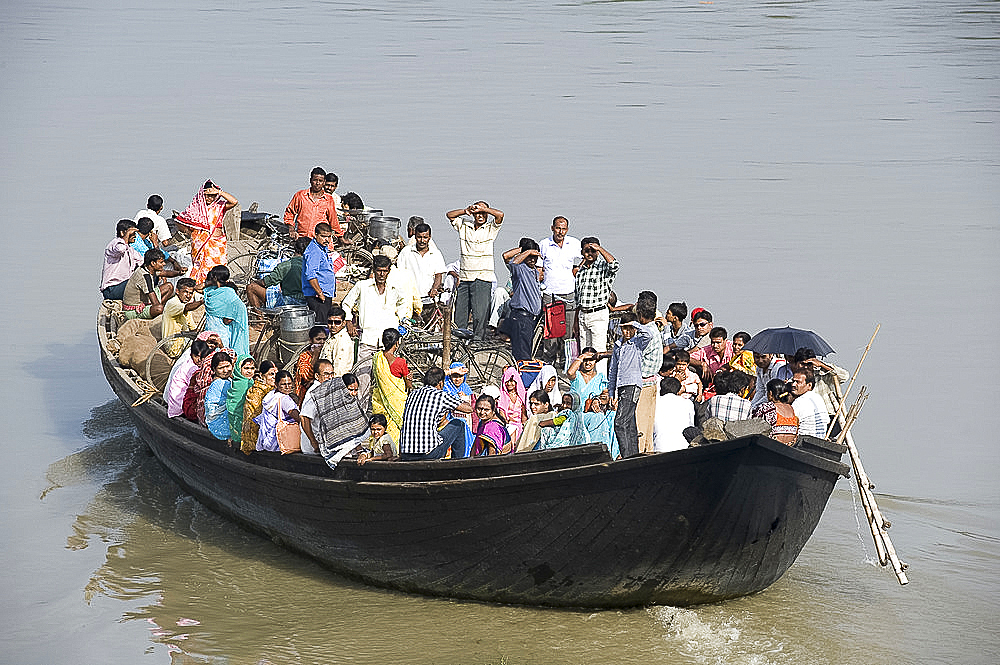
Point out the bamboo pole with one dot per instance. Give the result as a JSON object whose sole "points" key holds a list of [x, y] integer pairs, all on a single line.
{"points": [[876, 522], [863, 486], [446, 335], [850, 383]]}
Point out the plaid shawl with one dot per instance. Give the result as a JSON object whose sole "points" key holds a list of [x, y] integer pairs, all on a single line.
{"points": [[340, 424]]}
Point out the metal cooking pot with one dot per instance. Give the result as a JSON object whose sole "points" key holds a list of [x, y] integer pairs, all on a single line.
{"points": [[384, 228]]}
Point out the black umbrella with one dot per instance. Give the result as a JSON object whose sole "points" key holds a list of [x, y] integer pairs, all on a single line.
{"points": [[786, 341]]}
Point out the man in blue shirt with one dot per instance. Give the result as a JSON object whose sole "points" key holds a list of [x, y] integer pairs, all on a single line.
{"points": [[319, 282], [526, 300], [625, 381]]}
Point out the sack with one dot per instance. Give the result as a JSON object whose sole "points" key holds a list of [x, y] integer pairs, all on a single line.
{"points": [[288, 434], [555, 320]]}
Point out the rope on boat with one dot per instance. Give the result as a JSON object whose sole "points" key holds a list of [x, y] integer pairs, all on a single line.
{"points": [[149, 391]]}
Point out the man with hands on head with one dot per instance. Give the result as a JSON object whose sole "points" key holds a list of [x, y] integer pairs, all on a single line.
{"points": [[476, 233], [526, 300]]}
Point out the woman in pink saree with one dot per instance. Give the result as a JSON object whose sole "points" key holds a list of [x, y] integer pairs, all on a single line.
{"points": [[208, 238]]}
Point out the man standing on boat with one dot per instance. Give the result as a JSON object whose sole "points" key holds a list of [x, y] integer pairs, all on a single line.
{"points": [[309, 207], [593, 281], [526, 300], [424, 261], [476, 233], [560, 253], [319, 281], [380, 305]]}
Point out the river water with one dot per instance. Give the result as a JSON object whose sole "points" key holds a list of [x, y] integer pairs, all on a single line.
{"points": [[827, 165]]}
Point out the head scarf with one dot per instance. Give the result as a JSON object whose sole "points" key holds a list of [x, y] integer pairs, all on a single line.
{"points": [[548, 371], [203, 380], [463, 390], [222, 302], [571, 432], [505, 403], [197, 215], [236, 399]]}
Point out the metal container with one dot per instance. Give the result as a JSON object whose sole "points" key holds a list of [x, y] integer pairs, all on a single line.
{"points": [[296, 320], [384, 228]]}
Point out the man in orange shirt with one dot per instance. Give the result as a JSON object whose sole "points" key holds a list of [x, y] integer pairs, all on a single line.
{"points": [[309, 207]]}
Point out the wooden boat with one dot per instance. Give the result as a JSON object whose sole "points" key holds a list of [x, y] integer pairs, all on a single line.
{"points": [[565, 527]]}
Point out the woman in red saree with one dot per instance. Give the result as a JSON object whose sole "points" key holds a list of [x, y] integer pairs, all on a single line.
{"points": [[208, 238]]}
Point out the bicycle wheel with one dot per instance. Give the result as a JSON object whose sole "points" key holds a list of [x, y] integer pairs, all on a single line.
{"points": [[159, 363], [537, 339], [486, 365], [243, 269]]}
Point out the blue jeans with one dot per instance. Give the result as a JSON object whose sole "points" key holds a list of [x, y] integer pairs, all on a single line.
{"points": [[626, 430], [453, 437], [521, 328]]}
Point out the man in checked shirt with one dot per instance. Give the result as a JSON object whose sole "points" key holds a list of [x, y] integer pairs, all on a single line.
{"points": [[594, 278]]}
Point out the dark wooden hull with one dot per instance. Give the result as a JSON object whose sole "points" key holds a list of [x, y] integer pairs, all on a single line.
{"points": [[561, 528]]}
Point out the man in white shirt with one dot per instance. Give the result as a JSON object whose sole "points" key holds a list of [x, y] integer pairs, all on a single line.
{"points": [[476, 233], [154, 206], [380, 305], [560, 253], [673, 415], [339, 347], [809, 407], [323, 372], [424, 262]]}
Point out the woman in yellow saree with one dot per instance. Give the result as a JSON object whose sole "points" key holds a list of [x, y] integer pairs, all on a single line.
{"points": [[392, 381]]}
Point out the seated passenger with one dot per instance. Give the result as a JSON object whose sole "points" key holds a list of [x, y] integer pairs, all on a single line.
{"points": [[120, 261], [216, 414], [592, 386], [263, 383], [492, 437], [202, 381], [340, 424], [304, 366], [236, 398], [178, 314], [180, 376], [709, 359], [154, 206], [809, 408], [778, 413], [512, 405], [677, 333], [533, 434], [144, 295], [339, 347], [322, 371], [691, 387], [425, 408], [827, 375], [547, 381], [279, 417], [674, 413], [145, 240], [727, 405], [225, 313], [380, 445], [391, 382], [569, 421], [283, 285]]}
